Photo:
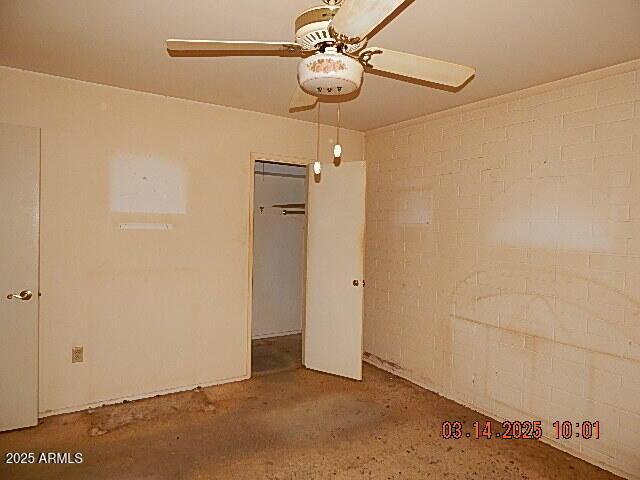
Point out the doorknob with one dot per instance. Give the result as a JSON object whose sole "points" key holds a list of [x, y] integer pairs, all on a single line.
{"points": [[23, 295], [356, 283]]}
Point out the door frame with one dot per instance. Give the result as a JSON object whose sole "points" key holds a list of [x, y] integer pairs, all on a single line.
{"points": [[282, 159]]}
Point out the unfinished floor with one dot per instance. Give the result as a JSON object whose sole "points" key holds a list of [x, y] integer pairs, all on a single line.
{"points": [[296, 424], [276, 354]]}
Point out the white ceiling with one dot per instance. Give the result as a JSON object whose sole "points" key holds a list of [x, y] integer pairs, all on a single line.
{"points": [[512, 43]]}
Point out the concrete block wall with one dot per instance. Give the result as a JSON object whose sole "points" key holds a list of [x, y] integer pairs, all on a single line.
{"points": [[503, 257]]}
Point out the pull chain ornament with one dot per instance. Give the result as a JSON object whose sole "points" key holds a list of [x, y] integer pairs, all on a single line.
{"points": [[337, 149], [317, 166]]}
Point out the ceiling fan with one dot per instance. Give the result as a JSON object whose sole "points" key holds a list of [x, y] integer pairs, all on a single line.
{"points": [[332, 40]]}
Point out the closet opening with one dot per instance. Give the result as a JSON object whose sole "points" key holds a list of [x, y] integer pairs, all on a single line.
{"points": [[279, 257]]}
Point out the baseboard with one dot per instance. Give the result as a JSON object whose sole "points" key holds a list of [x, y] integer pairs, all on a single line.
{"points": [[278, 334], [167, 391], [408, 376]]}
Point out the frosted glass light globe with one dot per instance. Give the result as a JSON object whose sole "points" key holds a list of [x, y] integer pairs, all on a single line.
{"points": [[330, 73], [317, 168]]}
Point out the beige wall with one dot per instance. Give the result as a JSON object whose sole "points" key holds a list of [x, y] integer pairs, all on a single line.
{"points": [[503, 256], [154, 310], [278, 250]]}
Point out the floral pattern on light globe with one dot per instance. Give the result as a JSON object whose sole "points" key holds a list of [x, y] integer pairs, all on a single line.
{"points": [[327, 65]]}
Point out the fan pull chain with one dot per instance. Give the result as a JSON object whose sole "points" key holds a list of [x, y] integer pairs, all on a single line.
{"points": [[337, 149], [317, 166]]}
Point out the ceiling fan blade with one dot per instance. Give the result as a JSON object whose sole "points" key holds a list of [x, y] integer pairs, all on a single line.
{"points": [[413, 67], [215, 48], [301, 101], [356, 19]]}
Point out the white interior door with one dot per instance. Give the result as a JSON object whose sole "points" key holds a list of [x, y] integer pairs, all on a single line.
{"points": [[335, 266], [19, 229]]}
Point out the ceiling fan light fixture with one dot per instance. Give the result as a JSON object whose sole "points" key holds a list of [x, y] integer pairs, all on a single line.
{"points": [[330, 74]]}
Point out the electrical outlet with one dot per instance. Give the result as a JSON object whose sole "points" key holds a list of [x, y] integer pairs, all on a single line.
{"points": [[77, 354]]}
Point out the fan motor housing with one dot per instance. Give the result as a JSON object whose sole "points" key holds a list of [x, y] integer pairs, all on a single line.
{"points": [[330, 73], [312, 29]]}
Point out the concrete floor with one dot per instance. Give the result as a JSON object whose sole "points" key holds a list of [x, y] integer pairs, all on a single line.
{"points": [[276, 354], [297, 424]]}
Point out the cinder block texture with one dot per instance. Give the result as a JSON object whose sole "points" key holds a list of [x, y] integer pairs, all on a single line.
{"points": [[503, 257]]}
